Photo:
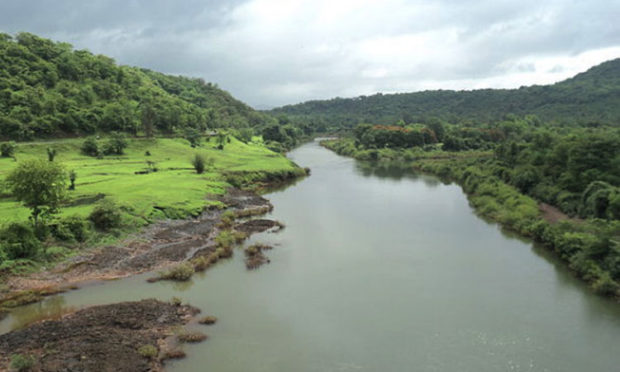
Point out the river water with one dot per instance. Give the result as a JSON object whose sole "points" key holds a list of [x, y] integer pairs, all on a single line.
{"points": [[382, 269]]}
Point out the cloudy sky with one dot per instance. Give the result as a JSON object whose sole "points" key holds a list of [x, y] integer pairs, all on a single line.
{"points": [[274, 52]]}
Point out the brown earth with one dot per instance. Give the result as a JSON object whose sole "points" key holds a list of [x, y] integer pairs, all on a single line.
{"points": [[552, 214], [160, 246], [101, 338]]}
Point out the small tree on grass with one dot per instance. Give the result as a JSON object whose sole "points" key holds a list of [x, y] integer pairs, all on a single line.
{"points": [[7, 149], [51, 153], [90, 147], [221, 140], [39, 184], [199, 163], [116, 144], [72, 177]]}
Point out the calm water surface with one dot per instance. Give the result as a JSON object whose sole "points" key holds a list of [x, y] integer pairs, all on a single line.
{"points": [[382, 270]]}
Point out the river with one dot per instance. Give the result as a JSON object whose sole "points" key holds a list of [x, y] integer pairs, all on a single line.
{"points": [[382, 270]]}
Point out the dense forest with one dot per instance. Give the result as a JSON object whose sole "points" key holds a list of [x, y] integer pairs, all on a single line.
{"points": [[48, 89], [590, 98]]}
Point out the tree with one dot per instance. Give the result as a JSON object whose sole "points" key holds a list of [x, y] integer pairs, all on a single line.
{"points": [[39, 184], [116, 144]]}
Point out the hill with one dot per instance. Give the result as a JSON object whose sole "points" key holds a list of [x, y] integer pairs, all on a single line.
{"points": [[590, 98], [48, 89]]}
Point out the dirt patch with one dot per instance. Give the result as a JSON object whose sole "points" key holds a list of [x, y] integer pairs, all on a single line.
{"points": [[100, 338], [162, 245], [553, 215]]}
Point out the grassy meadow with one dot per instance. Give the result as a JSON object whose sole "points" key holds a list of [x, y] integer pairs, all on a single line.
{"points": [[173, 190]]}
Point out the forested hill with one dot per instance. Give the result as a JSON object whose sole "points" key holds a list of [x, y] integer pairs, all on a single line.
{"points": [[48, 89], [592, 97]]}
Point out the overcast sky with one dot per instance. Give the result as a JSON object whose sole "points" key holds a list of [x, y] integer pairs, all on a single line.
{"points": [[275, 52]]}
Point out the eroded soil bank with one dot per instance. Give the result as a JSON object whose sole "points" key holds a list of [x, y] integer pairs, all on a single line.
{"points": [[128, 336], [162, 245]]}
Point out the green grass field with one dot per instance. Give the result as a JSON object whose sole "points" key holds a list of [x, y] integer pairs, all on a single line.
{"points": [[175, 187]]}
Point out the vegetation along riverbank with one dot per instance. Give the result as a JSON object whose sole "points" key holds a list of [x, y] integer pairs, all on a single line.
{"points": [[556, 185]]}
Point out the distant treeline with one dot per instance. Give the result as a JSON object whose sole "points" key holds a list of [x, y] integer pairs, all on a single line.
{"points": [[591, 98]]}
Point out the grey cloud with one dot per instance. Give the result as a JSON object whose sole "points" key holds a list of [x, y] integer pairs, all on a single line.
{"points": [[321, 49]]}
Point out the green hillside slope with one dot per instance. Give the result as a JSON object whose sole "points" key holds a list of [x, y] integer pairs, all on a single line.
{"points": [[592, 97], [47, 89]]}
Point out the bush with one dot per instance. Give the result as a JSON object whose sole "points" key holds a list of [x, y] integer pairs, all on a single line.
{"points": [[191, 337], [19, 241], [51, 153], [198, 162], [106, 215], [116, 145], [72, 177], [148, 351], [90, 147], [71, 228], [21, 362], [181, 272], [7, 149], [225, 239]]}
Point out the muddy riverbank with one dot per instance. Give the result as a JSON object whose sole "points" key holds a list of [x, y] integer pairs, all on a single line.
{"points": [[160, 246], [128, 336]]}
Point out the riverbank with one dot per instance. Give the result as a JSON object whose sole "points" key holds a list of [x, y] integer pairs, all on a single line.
{"points": [[589, 248], [128, 336], [169, 216]]}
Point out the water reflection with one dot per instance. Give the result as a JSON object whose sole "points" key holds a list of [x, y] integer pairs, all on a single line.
{"points": [[394, 170], [51, 308]]}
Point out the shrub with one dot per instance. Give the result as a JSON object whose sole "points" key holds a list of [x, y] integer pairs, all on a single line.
{"points": [[225, 239], [193, 136], [51, 154], [227, 219], [106, 215], [21, 362], [198, 162], [116, 145], [191, 337], [19, 241], [71, 228], [7, 149], [181, 272], [148, 351], [90, 147], [208, 320], [72, 177]]}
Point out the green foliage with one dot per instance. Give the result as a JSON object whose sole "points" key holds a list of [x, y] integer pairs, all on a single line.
{"points": [[116, 144], [590, 98], [19, 241], [51, 153], [181, 272], [106, 215], [225, 239], [7, 149], [39, 185], [199, 163], [90, 147], [72, 228], [245, 135], [72, 178], [148, 351], [193, 136], [47, 89], [20, 362]]}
